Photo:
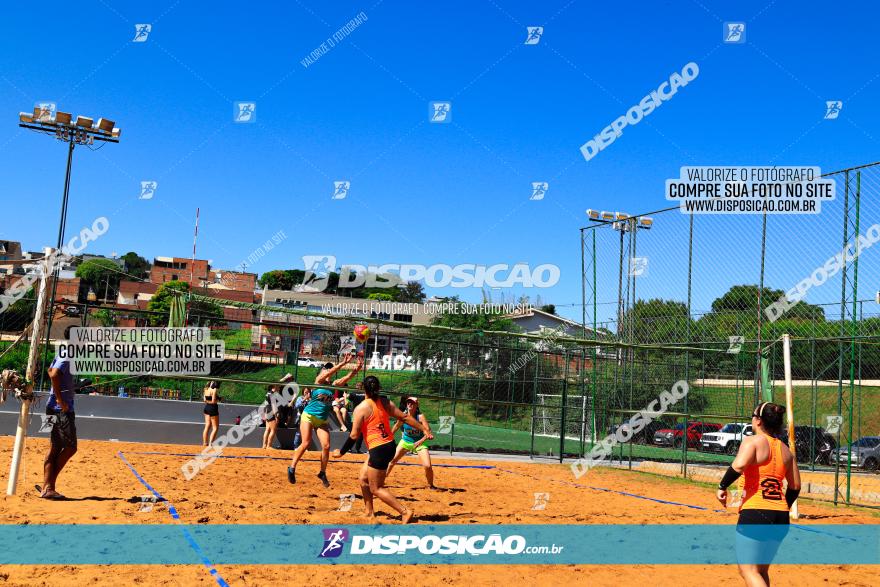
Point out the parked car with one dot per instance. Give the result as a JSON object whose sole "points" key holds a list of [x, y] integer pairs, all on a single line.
{"points": [[72, 311], [676, 436], [726, 440], [644, 435], [811, 443], [864, 453], [308, 362]]}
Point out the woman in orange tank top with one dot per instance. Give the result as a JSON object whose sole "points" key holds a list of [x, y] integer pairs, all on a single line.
{"points": [[766, 463], [371, 418]]}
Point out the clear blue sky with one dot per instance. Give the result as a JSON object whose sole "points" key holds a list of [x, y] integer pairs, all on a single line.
{"points": [[432, 193]]}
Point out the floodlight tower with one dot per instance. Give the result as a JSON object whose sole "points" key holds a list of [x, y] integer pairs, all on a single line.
{"points": [[81, 131], [624, 224]]}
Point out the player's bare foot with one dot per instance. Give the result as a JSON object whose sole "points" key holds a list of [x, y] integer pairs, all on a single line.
{"points": [[407, 516]]}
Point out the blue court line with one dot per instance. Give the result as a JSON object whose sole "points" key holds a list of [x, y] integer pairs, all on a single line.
{"points": [[665, 502], [636, 495], [181, 454], [173, 511]]}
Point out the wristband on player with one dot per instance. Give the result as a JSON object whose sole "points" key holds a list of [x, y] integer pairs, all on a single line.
{"points": [[349, 442], [791, 495], [730, 476]]}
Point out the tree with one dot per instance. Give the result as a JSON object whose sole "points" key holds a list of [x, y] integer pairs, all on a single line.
{"points": [[284, 279], [135, 265], [744, 298], [412, 292], [203, 313], [101, 275], [657, 321], [549, 308], [736, 314], [381, 297], [105, 317]]}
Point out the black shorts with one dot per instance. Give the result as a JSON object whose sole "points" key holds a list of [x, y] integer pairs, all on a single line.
{"points": [[765, 517], [63, 434], [759, 533], [381, 456], [212, 409]]}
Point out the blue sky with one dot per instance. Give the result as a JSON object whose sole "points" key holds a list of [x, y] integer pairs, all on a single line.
{"points": [[434, 193]]}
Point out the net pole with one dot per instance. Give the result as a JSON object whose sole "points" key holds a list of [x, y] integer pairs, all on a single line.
{"points": [[789, 406], [24, 412]]}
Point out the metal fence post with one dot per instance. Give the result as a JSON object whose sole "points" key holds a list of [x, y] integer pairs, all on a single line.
{"points": [[564, 411], [454, 395]]}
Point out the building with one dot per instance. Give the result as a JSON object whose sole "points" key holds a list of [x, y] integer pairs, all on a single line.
{"points": [[319, 336], [198, 274], [135, 293], [234, 280], [9, 251], [535, 321], [177, 269]]}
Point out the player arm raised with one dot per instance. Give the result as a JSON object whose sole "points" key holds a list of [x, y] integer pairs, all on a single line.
{"points": [[342, 381], [323, 378]]}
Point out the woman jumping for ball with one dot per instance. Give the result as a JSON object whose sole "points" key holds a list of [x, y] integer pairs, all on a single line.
{"points": [[766, 462], [413, 440], [314, 417], [372, 417]]}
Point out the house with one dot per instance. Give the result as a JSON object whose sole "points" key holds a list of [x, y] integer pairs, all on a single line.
{"points": [[535, 321], [132, 292]]}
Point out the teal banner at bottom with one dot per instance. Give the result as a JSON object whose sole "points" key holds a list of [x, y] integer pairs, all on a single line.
{"points": [[526, 544]]}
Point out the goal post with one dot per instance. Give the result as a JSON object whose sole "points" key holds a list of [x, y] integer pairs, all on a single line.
{"points": [[548, 417]]}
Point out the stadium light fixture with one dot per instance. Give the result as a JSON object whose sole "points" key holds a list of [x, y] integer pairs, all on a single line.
{"points": [[607, 215], [593, 214], [646, 222], [83, 132]]}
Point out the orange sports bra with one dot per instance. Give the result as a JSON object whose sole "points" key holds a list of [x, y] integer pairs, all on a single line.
{"points": [[377, 427], [763, 483]]}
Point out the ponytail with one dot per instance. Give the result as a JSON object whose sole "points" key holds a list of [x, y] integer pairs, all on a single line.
{"points": [[372, 386]]}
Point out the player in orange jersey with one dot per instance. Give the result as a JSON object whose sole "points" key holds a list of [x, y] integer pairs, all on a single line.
{"points": [[371, 418]]}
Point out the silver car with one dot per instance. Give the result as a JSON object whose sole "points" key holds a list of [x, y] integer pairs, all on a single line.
{"points": [[864, 453]]}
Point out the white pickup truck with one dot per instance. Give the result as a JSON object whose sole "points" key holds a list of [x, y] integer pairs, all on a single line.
{"points": [[726, 440]]}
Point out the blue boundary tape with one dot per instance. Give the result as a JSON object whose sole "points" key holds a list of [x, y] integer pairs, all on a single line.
{"points": [[606, 490], [181, 454], [663, 501], [176, 516]]}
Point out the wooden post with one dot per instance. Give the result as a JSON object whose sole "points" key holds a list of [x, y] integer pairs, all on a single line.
{"points": [[33, 353], [789, 407]]}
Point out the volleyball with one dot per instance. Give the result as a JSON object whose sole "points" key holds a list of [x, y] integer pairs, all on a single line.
{"points": [[362, 332]]}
